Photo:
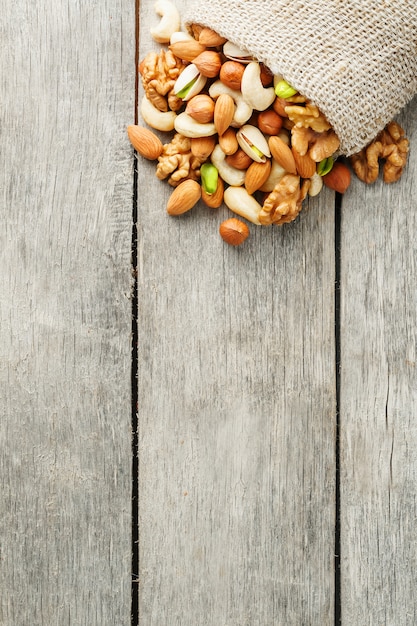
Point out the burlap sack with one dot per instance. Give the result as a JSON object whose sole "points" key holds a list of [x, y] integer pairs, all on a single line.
{"points": [[355, 59]]}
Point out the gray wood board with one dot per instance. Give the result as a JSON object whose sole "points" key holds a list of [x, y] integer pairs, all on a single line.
{"points": [[379, 398], [237, 414], [65, 308]]}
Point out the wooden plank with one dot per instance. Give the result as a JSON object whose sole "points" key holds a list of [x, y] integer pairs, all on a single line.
{"points": [[236, 413], [66, 185], [379, 398]]}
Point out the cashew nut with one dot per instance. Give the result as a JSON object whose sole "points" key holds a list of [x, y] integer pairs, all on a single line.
{"points": [[253, 91], [189, 127], [230, 175], [277, 172], [155, 118], [242, 203], [170, 21], [316, 185], [179, 35], [243, 110]]}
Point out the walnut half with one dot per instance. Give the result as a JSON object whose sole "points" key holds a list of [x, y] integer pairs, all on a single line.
{"points": [[159, 72], [284, 203], [390, 146], [177, 161]]}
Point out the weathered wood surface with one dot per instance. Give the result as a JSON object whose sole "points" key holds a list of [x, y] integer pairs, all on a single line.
{"points": [[236, 370], [237, 415], [379, 398], [67, 90]]}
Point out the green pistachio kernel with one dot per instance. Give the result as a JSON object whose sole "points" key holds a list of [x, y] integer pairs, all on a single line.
{"points": [[258, 152], [284, 89], [325, 166], [185, 90], [209, 177]]}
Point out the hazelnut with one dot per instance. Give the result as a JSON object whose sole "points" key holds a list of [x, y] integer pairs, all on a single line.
{"points": [[338, 178], [209, 63], [231, 73], [279, 106], [234, 231], [201, 108], [240, 160], [269, 122]]}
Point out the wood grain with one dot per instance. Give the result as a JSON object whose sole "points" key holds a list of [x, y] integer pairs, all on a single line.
{"points": [[237, 414], [379, 398], [65, 244]]}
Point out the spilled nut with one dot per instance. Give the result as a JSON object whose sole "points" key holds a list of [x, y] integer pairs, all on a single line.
{"points": [[170, 21], [234, 53], [243, 136], [238, 200], [189, 83], [252, 141]]}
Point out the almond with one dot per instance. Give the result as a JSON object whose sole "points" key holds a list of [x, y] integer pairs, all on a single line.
{"points": [[214, 200], [338, 178], [305, 165], [231, 73], [256, 175], [208, 63], [224, 111], [184, 197], [234, 231], [202, 147], [145, 142], [240, 160], [201, 108], [228, 141], [282, 154], [210, 38], [187, 50]]}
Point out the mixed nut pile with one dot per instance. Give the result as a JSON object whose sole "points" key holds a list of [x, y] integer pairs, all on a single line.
{"points": [[239, 134]]}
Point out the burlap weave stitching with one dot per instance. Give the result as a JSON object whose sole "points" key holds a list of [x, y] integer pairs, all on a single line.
{"points": [[355, 59]]}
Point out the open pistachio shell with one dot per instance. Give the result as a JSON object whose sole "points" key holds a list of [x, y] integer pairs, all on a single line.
{"points": [[233, 52], [189, 83], [252, 141]]}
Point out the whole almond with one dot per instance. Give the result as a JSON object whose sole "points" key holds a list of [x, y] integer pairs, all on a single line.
{"points": [[269, 122], [228, 141], [202, 147], [210, 38], [187, 50], [231, 73], [224, 111], [201, 108], [214, 200], [305, 165], [256, 175], [208, 63], [184, 197], [240, 160], [338, 178], [145, 142], [234, 231], [282, 154]]}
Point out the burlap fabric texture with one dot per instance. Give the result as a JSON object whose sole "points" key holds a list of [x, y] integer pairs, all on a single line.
{"points": [[355, 59]]}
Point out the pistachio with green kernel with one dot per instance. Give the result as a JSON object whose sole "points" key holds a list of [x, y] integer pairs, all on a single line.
{"points": [[209, 177], [189, 83], [284, 90], [325, 166], [253, 142]]}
